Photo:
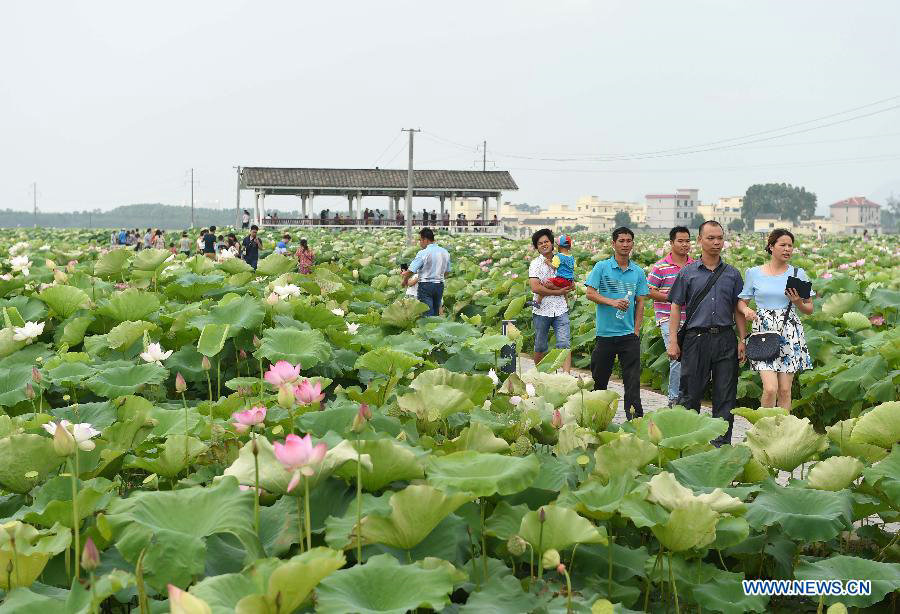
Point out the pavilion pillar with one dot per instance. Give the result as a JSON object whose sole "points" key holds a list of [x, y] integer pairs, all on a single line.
{"points": [[350, 205], [484, 209], [303, 200], [256, 217], [359, 209], [499, 207], [396, 206], [262, 205], [442, 208]]}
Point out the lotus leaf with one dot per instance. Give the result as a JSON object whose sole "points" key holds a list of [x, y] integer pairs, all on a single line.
{"points": [[391, 461], [834, 473], [306, 347], [488, 344], [715, 468], [681, 428], [52, 503], [240, 313], [572, 437], [723, 592], [383, 586], [123, 335], [879, 426], [555, 388], [274, 265], [23, 456], [885, 577], [482, 474], [886, 475], [855, 321], [403, 313], [505, 520], [130, 304], [755, 415], [693, 525], [171, 528], [415, 511], [118, 381], [64, 300], [112, 263], [476, 387], [784, 442], [71, 331], [174, 455], [802, 513], [730, 531], [192, 287], [562, 528], [666, 491], [434, 402], [13, 381], [624, 455], [478, 437], [501, 594], [591, 408], [596, 500], [149, 259], [839, 303], [553, 360], [852, 383], [25, 551]]}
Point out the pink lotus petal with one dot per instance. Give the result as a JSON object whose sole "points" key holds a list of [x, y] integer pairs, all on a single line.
{"points": [[295, 479], [282, 372]]}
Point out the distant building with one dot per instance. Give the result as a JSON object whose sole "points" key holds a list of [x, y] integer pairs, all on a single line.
{"points": [[599, 215], [727, 210], [856, 214], [667, 210]]}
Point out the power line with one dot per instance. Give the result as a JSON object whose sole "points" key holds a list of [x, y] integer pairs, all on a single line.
{"points": [[399, 151], [391, 144]]}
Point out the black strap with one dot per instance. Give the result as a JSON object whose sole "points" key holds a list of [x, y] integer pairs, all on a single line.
{"points": [[787, 311], [695, 302]]}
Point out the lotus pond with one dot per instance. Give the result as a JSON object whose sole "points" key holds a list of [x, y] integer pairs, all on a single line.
{"points": [[188, 435]]}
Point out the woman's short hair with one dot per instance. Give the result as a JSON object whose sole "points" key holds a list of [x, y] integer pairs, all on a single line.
{"points": [[777, 234], [543, 232]]}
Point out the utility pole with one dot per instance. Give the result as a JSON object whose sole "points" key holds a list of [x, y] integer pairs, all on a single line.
{"points": [[192, 199], [484, 156], [409, 184], [34, 201], [237, 202]]}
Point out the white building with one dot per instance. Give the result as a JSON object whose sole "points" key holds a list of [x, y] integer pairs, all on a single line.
{"points": [[857, 214], [727, 210], [599, 215], [667, 210]]}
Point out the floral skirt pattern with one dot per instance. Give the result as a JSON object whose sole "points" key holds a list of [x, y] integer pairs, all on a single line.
{"points": [[794, 354]]}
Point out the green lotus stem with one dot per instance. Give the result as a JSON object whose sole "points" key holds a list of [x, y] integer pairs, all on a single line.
{"points": [[358, 503], [186, 452], [139, 578], [884, 550], [721, 560], [647, 583], [821, 606], [94, 609], [75, 523], [568, 592], [474, 568], [256, 484], [612, 541], [209, 387], [300, 521], [530, 563], [261, 386], [672, 580], [306, 505], [541, 551], [219, 378], [484, 541]]}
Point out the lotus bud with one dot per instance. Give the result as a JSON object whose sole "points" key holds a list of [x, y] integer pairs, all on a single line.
{"points": [[29, 391], [36, 376], [242, 355], [361, 419], [60, 277], [272, 299], [90, 556], [557, 420], [355, 273], [550, 559], [561, 568], [180, 384], [182, 602], [254, 447], [256, 342], [542, 515], [286, 396], [70, 267], [654, 433], [205, 364], [63, 441], [49, 264], [516, 545]]}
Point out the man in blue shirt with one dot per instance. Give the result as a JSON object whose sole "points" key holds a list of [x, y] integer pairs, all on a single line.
{"points": [[431, 264], [619, 286]]}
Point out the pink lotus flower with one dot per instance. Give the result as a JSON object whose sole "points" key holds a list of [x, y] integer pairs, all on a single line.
{"points": [[300, 456], [243, 420], [282, 372], [827, 275], [877, 320], [308, 392], [844, 266], [860, 262]]}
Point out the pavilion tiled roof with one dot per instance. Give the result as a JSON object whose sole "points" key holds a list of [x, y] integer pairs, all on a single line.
{"points": [[364, 178]]}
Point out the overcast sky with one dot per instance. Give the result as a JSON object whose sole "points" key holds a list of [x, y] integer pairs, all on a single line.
{"points": [[110, 103]]}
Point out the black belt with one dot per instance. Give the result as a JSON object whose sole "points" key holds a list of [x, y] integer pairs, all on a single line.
{"points": [[713, 330]]}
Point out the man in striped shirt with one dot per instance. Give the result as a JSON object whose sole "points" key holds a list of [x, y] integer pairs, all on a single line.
{"points": [[659, 282]]}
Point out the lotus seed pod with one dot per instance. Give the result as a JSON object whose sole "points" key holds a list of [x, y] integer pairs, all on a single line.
{"points": [[516, 545]]}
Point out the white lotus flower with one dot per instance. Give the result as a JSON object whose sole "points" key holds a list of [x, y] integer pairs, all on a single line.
{"points": [[82, 433], [18, 247], [44, 248], [29, 332], [155, 353], [515, 399], [493, 375], [6, 277], [352, 328], [529, 390], [20, 263], [272, 298], [338, 312], [286, 291], [225, 254]]}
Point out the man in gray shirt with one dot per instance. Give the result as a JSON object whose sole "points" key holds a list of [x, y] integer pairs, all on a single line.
{"points": [[710, 347]]}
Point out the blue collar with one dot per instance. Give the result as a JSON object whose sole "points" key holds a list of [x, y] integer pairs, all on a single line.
{"points": [[615, 265]]}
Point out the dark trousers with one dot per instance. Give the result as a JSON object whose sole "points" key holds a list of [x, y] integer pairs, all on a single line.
{"points": [[430, 293], [628, 349], [706, 355]]}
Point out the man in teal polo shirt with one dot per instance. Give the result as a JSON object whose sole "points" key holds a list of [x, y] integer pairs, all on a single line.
{"points": [[619, 286]]}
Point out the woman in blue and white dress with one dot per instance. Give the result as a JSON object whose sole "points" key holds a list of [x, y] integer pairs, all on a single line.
{"points": [[766, 285]]}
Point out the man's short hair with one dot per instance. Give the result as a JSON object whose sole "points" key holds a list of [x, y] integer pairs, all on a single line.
{"points": [[711, 223], [622, 230], [543, 232], [212, 228], [427, 234], [674, 232], [254, 227]]}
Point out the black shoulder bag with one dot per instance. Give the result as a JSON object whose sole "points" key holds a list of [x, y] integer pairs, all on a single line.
{"points": [[691, 307], [764, 346]]}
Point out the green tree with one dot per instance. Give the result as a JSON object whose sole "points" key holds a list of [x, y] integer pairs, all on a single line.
{"points": [[890, 214], [780, 200], [736, 225], [697, 220], [622, 219]]}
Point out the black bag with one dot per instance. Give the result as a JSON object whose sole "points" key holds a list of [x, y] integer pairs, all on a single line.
{"points": [[691, 307], [765, 346]]}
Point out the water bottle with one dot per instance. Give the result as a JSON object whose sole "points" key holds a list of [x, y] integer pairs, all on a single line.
{"points": [[619, 313]]}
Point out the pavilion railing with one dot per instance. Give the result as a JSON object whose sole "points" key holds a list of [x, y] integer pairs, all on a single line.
{"points": [[453, 226]]}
